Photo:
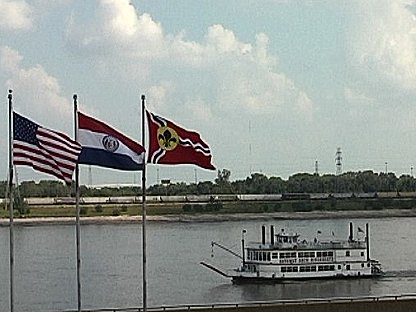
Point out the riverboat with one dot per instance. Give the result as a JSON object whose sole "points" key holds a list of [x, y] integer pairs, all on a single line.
{"points": [[287, 257]]}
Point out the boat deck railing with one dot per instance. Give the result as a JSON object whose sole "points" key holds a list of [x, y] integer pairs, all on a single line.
{"points": [[308, 245], [254, 304]]}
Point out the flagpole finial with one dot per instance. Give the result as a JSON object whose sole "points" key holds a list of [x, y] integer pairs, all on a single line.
{"points": [[143, 97], [75, 97], [10, 94]]}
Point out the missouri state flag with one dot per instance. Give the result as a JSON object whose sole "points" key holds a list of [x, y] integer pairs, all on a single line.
{"points": [[170, 144], [104, 146]]}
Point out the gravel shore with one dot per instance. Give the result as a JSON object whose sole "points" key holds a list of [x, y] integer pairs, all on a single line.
{"points": [[27, 221]]}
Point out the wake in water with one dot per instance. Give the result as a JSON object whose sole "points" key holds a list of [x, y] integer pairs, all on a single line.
{"points": [[403, 273]]}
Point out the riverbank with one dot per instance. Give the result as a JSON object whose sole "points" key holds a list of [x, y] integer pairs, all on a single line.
{"points": [[124, 219]]}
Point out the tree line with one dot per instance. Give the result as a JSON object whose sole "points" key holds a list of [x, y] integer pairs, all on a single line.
{"points": [[257, 183]]}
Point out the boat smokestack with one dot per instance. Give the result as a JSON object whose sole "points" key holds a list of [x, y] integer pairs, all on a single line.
{"points": [[351, 237], [367, 240], [263, 235], [271, 235]]}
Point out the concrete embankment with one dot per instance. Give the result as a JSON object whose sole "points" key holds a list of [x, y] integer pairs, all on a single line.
{"points": [[403, 303], [217, 217], [398, 304]]}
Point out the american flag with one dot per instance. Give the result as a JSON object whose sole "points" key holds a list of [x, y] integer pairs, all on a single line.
{"points": [[43, 149]]}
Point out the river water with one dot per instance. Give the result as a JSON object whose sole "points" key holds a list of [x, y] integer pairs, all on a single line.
{"points": [[45, 263]]}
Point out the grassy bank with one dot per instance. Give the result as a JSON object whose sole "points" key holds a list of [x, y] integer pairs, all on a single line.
{"points": [[231, 207]]}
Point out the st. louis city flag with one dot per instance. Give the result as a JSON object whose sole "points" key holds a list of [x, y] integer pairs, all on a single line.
{"points": [[104, 146], [43, 149], [171, 145]]}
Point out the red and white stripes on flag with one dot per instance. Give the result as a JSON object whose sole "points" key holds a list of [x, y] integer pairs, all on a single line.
{"points": [[43, 149]]}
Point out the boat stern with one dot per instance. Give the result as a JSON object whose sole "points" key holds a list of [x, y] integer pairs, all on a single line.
{"points": [[376, 268]]}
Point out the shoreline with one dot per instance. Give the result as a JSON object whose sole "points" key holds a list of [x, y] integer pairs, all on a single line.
{"points": [[386, 213]]}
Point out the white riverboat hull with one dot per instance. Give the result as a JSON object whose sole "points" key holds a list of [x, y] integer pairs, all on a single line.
{"points": [[271, 277]]}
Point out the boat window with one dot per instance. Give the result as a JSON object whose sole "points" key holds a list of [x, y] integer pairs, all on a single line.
{"points": [[274, 255], [347, 253], [319, 254], [339, 267], [268, 256], [330, 253], [348, 267], [287, 269], [362, 265], [284, 255], [362, 253], [306, 254], [307, 268]]}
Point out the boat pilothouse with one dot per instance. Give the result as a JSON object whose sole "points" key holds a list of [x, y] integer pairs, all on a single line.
{"points": [[287, 257]]}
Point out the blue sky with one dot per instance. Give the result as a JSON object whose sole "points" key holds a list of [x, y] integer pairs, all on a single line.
{"points": [[272, 86]]}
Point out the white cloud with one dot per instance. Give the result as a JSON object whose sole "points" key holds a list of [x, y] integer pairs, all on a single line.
{"points": [[159, 95], [356, 97], [116, 30], [383, 43], [10, 59], [198, 109], [36, 93], [243, 76], [304, 104], [15, 15]]}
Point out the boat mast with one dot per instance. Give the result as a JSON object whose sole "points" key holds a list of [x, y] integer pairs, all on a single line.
{"points": [[367, 241], [242, 247]]}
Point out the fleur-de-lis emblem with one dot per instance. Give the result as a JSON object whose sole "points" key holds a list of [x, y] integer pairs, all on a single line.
{"points": [[168, 138]]}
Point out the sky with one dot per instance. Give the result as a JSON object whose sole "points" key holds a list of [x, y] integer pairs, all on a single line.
{"points": [[273, 86]]}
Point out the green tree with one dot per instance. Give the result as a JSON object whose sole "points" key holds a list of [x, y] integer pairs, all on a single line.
{"points": [[222, 182], [406, 183]]}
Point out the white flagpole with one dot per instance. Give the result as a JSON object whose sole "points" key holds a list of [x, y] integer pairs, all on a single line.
{"points": [[78, 234], [11, 248], [144, 210]]}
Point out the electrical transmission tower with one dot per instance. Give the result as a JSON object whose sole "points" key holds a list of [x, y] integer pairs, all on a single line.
{"points": [[338, 161]]}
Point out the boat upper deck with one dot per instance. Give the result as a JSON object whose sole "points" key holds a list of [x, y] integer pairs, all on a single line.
{"points": [[310, 245], [285, 240]]}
